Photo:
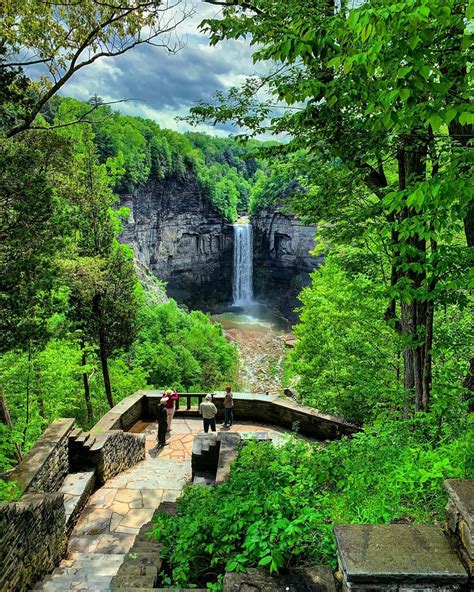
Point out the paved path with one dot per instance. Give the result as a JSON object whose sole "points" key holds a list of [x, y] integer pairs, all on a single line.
{"points": [[114, 514]]}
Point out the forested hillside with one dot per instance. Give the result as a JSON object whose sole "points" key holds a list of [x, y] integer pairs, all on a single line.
{"points": [[135, 150]]}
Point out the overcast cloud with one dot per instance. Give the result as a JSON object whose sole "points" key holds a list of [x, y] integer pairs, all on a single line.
{"points": [[168, 84]]}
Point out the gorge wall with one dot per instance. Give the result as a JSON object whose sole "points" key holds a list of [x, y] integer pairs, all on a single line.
{"points": [[182, 239], [282, 260]]}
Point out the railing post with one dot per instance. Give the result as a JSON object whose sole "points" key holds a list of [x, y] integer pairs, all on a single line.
{"points": [[188, 402]]}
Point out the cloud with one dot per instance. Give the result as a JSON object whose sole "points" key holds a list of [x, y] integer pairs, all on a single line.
{"points": [[167, 85]]}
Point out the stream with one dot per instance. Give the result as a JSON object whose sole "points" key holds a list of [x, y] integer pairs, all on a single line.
{"points": [[260, 336]]}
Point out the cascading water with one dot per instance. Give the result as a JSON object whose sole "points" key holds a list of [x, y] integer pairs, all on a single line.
{"points": [[243, 265]]}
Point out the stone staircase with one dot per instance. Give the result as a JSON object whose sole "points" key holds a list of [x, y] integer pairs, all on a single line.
{"points": [[142, 564], [83, 571], [205, 458]]}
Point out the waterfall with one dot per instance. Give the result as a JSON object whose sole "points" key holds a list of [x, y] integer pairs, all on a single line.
{"points": [[242, 288]]}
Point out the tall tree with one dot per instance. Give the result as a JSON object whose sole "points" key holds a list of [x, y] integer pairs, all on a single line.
{"points": [[375, 87], [103, 285], [33, 230]]}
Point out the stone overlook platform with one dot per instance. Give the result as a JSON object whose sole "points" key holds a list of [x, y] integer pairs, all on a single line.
{"points": [[89, 499]]}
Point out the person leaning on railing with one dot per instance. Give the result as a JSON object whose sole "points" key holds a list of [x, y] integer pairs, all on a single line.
{"points": [[208, 411]]}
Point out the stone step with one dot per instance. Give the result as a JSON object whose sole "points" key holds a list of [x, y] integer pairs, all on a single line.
{"points": [[93, 557], [64, 583], [102, 569], [151, 546], [141, 558], [77, 487], [128, 569], [104, 544], [133, 581]]}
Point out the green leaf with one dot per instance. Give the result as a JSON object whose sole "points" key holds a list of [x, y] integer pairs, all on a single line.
{"points": [[466, 118], [449, 115], [265, 560], [436, 122], [404, 94]]}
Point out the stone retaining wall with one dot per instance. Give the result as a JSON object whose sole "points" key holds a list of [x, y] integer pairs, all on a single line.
{"points": [[33, 539], [115, 451], [44, 468]]}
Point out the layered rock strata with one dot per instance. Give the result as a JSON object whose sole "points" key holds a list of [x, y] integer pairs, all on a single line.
{"points": [[182, 239], [282, 259]]}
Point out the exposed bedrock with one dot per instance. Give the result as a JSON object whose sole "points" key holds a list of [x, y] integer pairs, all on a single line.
{"points": [[282, 259], [179, 236]]}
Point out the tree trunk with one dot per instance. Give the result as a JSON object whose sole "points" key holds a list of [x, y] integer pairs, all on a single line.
{"points": [[87, 392], [411, 157], [27, 408], [39, 392], [6, 420], [463, 134], [105, 368], [428, 356]]}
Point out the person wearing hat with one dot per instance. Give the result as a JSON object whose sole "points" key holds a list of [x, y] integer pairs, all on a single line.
{"points": [[208, 411], [172, 397], [162, 419]]}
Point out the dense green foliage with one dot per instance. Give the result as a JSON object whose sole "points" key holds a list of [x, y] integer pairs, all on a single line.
{"points": [[279, 505]]}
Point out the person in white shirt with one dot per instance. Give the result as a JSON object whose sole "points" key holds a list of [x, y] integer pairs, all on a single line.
{"points": [[208, 411]]}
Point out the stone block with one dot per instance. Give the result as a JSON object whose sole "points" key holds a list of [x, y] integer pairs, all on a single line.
{"points": [[33, 539], [382, 557], [460, 518], [308, 579]]}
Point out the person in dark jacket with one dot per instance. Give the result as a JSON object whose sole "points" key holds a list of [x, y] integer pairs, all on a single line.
{"points": [[162, 419]]}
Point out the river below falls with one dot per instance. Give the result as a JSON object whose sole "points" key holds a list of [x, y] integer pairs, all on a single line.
{"points": [[260, 337]]}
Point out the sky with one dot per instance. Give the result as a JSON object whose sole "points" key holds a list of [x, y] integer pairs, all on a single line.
{"points": [[168, 84]]}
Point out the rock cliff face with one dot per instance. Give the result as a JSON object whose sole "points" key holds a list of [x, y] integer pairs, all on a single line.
{"points": [[177, 234], [282, 262]]}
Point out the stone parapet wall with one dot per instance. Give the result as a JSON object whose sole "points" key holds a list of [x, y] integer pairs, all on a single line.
{"points": [[274, 410], [33, 539], [44, 468], [115, 451], [124, 415]]}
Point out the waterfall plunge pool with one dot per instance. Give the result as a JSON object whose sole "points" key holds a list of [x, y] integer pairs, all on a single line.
{"points": [[253, 316], [260, 336]]}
